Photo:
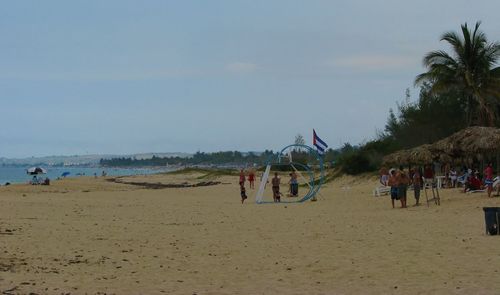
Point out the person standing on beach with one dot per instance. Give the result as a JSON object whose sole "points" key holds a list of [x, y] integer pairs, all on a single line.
{"points": [[453, 177], [392, 182], [276, 188], [251, 179], [384, 176], [428, 175], [294, 185], [242, 177], [417, 183], [403, 181], [488, 178]]}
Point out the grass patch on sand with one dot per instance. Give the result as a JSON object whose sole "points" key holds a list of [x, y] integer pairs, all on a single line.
{"points": [[206, 172]]}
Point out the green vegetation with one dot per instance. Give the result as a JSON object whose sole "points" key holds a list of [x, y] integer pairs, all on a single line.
{"points": [[469, 69], [200, 158], [206, 172], [459, 89]]}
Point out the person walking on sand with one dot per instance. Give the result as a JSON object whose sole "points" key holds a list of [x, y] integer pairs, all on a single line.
{"points": [[242, 177], [251, 179], [243, 193], [276, 188], [488, 178], [392, 182], [417, 183]]}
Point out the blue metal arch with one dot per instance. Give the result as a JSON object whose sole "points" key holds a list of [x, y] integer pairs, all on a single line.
{"points": [[314, 187]]}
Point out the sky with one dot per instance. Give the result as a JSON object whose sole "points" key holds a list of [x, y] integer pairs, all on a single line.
{"points": [[121, 77]]}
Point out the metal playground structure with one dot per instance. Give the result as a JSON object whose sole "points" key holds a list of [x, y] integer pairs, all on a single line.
{"points": [[313, 180]]}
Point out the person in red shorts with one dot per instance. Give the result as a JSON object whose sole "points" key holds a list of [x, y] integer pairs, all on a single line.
{"points": [[251, 179], [488, 178], [242, 177]]}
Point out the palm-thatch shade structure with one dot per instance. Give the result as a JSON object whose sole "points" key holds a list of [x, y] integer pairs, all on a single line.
{"points": [[472, 142]]}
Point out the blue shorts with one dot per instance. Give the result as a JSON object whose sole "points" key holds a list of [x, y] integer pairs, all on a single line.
{"points": [[489, 182], [394, 193]]}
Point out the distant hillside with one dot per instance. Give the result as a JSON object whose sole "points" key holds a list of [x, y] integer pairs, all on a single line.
{"points": [[81, 160]]}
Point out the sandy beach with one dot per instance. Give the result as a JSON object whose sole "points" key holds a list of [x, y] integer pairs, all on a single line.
{"points": [[93, 236]]}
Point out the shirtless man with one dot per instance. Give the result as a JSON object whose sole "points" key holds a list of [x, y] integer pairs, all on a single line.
{"points": [[403, 180], [251, 179], [242, 177], [488, 178], [276, 188], [393, 183], [416, 180]]}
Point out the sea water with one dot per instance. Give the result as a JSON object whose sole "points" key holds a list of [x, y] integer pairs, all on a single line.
{"points": [[18, 174]]}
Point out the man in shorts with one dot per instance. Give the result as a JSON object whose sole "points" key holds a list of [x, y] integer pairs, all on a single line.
{"points": [[403, 180], [276, 188], [392, 182], [417, 183], [488, 178]]}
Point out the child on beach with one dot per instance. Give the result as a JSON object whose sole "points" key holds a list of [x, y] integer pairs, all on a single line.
{"points": [[243, 192]]}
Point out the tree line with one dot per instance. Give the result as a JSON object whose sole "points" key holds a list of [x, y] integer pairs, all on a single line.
{"points": [[459, 89], [199, 158]]}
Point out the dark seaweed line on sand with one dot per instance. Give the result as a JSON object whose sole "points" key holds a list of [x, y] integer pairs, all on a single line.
{"points": [[162, 186]]}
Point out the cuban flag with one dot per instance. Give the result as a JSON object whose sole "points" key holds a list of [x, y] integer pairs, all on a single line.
{"points": [[320, 145]]}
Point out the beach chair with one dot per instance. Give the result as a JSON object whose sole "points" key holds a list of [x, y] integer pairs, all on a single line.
{"points": [[381, 190], [435, 193], [462, 179]]}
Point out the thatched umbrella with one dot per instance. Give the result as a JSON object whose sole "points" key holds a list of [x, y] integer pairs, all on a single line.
{"points": [[396, 158], [470, 142], [421, 155]]}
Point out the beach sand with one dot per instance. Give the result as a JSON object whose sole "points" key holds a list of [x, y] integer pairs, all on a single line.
{"points": [[92, 236]]}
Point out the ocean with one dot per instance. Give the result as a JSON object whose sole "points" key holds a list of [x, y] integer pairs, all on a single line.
{"points": [[18, 174]]}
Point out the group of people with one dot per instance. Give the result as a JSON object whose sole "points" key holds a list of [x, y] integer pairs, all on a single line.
{"points": [[275, 182], [39, 181], [473, 180], [251, 181], [399, 181]]}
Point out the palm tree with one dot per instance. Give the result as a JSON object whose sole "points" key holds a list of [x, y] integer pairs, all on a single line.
{"points": [[472, 68]]}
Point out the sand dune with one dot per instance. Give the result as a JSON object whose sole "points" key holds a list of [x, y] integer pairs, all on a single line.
{"points": [[94, 236]]}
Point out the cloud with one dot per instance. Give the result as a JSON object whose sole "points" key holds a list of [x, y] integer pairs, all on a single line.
{"points": [[241, 67], [374, 62]]}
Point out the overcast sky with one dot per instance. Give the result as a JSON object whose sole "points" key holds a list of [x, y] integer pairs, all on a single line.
{"points": [[84, 77]]}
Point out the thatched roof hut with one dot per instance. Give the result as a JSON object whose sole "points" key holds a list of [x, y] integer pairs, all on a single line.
{"points": [[465, 144], [469, 142], [396, 158], [419, 155]]}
